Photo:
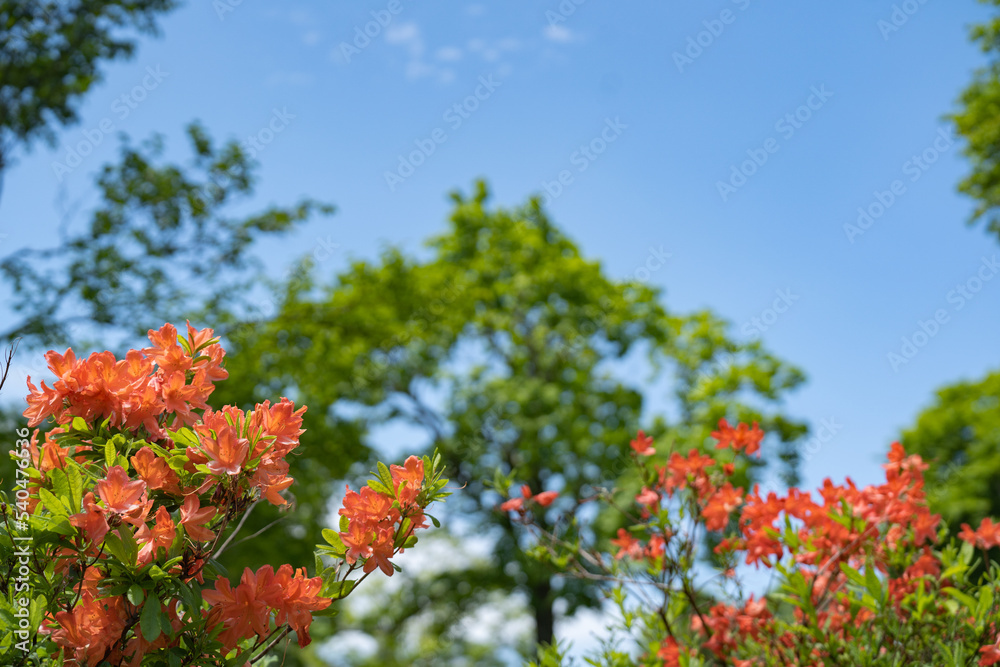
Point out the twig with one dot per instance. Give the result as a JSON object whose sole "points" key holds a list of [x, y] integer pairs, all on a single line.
{"points": [[8, 361], [237, 529], [250, 537]]}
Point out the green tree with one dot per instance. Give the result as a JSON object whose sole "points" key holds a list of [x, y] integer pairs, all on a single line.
{"points": [[976, 122], [959, 433], [507, 349], [166, 242], [959, 438], [162, 244], [51, 54]]}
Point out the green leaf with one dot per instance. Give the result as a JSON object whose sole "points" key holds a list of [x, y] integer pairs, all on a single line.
{"points": [[60, 484], [380, 487], [402, 533], [853, 575], [872, 583], [109, 454], [332, 538], [339, 589], [135, 594], [75, 478], [964, 598], [149, 619], [51, 503], [79, 424], [36, 610], [386, 477], [113, 545], [129, 546], [985, 602]]}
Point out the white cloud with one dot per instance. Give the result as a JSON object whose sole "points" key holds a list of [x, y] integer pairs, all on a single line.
{"points": [[558, 33], [406, 35], [449, 53]]}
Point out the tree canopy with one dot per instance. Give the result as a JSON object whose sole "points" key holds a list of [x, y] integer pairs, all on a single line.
{"points": [[976, 121], [507, 350], [51, 54]]}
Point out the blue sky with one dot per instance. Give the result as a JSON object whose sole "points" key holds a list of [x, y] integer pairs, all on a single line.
{"points": [[643, 108]]}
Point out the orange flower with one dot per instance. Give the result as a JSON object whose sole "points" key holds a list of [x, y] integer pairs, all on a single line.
{"points": [[546, 498], [358, 540], [243, 610], [739, 438], [162, 535], [41, 403], [382, 551], [155, 472], [408, 479], [91, 520], [194, 517], [120, 494], [295, 598], [627, 545], [643, 444], [669, 653], [991, 655], [166, 352], [720, 505], [226, 450], [986, 536], [88, 631], [649, 498]]}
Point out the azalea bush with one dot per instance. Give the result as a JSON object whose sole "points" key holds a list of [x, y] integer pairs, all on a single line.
{"points": [[853, 576], [123, 504]]}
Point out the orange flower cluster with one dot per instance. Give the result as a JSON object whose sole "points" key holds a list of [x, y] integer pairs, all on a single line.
{"points": [[519, 505], [375, 517], [135, 391], [742, 438], [245, 611], [186, 484], [857, 527]]}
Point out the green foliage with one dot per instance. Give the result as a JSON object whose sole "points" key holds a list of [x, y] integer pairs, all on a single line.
{"points": [[959, 438], [976, 121], [50, 56], [505, 348], [163, 244]]}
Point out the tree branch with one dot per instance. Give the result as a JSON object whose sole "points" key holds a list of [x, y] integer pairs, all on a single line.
{"points": [[7, 362]]}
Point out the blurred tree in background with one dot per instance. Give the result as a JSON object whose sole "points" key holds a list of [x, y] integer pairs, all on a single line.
{"points": [[506, 349], [959, 438], [976, 122], [162, 244], [959, 434], [51, 54]]}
